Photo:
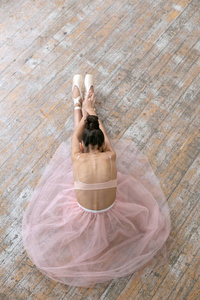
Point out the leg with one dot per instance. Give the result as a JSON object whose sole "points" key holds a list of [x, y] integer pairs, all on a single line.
{"points": [[77, 112]]}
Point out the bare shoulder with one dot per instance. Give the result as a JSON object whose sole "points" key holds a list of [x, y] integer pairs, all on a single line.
{"points": [[112, 154], [76, 156]]}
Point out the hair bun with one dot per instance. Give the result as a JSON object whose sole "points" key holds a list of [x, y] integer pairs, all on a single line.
{"points": [[92, 122]]}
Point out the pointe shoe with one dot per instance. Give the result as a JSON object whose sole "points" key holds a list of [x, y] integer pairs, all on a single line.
{"points": [[78, 82], [88, 82]]}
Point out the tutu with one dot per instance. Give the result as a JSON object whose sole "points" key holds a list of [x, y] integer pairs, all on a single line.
{"points": [[78, 247]]}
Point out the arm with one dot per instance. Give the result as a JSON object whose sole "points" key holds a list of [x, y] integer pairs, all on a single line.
{"points": [[88, 109], [109, 147], [76, 138]]}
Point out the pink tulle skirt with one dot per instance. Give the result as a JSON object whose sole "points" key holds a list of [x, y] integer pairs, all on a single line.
{"points": [[81, 248]]}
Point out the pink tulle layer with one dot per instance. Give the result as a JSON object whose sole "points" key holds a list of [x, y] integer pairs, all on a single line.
{"points": [[80, 248]]}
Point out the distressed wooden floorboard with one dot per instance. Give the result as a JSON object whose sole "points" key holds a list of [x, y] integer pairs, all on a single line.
{"points": [[144, 56], [155, 279], [31, 150], [21, 121]]}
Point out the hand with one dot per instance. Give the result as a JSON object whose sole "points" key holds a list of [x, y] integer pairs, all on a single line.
{"points": [[89, 104]]}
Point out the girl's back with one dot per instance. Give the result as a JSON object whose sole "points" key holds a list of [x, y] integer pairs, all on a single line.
{"points": [[95, 175]]}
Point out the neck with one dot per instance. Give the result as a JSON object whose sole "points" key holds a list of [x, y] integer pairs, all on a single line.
{"points": [[93, 150]]}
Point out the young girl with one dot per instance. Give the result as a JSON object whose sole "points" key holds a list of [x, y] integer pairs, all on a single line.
{"points": [[98, 212]]}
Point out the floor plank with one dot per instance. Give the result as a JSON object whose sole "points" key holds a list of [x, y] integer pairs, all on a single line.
{"points": [[145, 59]]}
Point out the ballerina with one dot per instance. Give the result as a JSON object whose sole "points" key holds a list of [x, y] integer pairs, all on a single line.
{"points": [[93, 157], [98, 212]]}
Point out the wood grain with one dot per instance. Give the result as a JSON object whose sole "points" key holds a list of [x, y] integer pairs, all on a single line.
{"points": [[144, 56]]}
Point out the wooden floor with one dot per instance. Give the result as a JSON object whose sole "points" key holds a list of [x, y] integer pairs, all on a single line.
{"points": [[144, 55]]}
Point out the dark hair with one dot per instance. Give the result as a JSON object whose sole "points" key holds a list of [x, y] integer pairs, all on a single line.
{"points": [[92, 134]]}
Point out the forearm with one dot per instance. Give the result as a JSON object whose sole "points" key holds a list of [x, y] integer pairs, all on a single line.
{"points": [[91, 111], [81, 125], [101, 126], [79, 129]]}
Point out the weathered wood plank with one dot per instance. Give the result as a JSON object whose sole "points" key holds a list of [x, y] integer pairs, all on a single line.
{"points": [[184, 236], [35, 144], [13, 110], [189, 279], [194, 293], [145, 59], [9, 14], [28, 33]]}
